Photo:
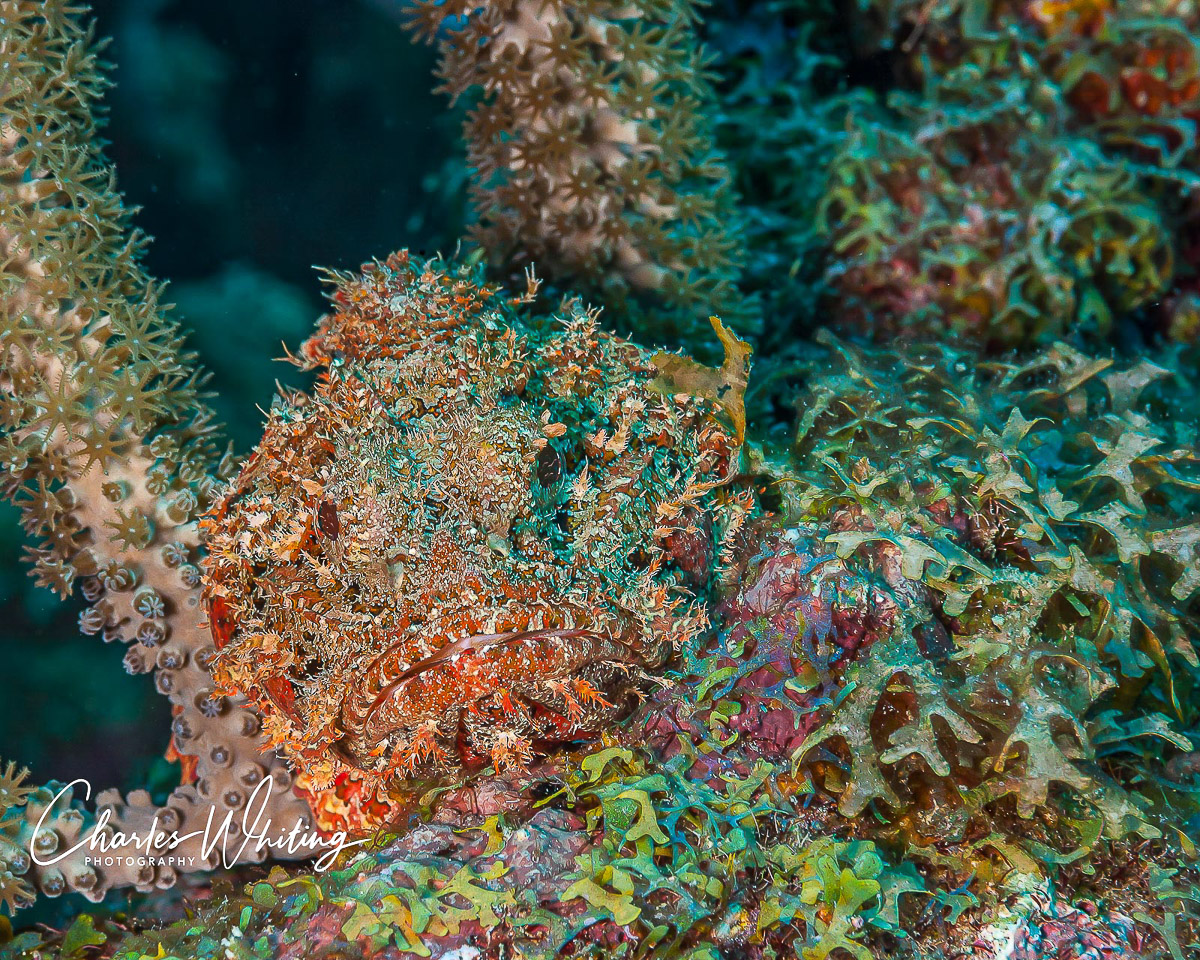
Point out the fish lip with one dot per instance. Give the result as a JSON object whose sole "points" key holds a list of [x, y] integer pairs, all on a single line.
{"points": [[475, 642]]}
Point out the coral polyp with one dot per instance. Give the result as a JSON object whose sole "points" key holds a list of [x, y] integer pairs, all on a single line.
{"points": [[470, 542]]}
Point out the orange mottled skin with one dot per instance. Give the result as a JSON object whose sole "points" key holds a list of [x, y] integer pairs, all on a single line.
{"points": [[470, 544]]}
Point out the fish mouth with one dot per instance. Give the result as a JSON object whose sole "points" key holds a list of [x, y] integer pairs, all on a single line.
{"points": [[356, 739], [476, 643]]}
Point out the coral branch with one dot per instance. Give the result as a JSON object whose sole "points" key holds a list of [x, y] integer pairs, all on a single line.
{"points": [[591, 153], [106, 447]]}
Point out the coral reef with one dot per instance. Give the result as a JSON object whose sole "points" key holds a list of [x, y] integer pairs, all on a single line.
{"points": [[1128, 70], [974, 199], [571, 878], [980, 215], [1034, 523], [470, 541], [507, 584], [1060, 138], [591, 155], [625, 851], [107, 447]]}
